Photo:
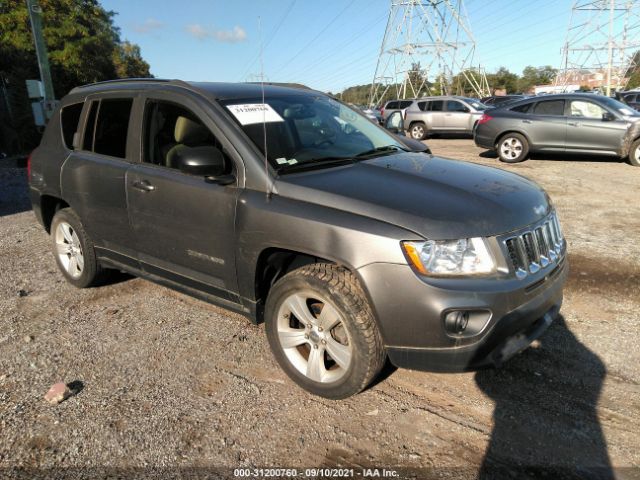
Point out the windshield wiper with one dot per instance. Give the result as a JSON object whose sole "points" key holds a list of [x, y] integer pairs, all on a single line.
{"points": [[380, 151]]}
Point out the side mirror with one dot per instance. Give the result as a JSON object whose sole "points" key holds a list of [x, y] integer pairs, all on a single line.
{"points": [[413, 145], [203, 161], [608, 117], [395, 123]]}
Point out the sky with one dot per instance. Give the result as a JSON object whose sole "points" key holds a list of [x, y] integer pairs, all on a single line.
{"points": [[328, 45]]}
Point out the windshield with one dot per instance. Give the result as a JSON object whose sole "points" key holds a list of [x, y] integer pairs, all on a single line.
{"points": [[309, 130], [619, 107]]}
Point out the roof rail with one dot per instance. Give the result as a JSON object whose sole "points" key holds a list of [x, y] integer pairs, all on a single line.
{"points": [[131, 80]]}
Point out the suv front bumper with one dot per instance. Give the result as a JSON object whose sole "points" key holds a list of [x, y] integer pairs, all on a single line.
{"points": [[410, 310]]}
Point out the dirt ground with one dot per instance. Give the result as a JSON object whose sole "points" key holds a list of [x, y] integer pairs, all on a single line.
{"points": [[173, 383]]}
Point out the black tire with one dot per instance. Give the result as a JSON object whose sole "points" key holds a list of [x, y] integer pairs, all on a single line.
{"points": [[634, 153], [512, 148], [91, 271], [418, 131], [342, 291]]}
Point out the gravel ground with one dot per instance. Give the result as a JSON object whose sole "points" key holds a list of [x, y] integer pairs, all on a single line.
{"points": [[170, 382]]}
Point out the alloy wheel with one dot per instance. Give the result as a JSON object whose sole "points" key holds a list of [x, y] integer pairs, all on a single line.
{"points": [[511, 148], [417, 132], [69, 249], [313, 337]]}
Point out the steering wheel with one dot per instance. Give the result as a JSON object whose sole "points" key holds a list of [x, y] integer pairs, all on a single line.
{"points": [[323, 141]]}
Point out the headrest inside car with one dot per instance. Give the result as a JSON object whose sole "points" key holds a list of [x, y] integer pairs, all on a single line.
{"points": [[189, 132]]}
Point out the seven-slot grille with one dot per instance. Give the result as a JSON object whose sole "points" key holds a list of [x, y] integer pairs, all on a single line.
{"points": [[537, 248]]}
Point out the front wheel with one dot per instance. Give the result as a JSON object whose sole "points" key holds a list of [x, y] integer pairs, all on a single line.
{"points": [[513, 148], [634, 153], [322, 331]]}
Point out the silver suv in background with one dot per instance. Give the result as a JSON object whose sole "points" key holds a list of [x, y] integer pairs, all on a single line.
{"points": [[395, 106], [442, 115]]}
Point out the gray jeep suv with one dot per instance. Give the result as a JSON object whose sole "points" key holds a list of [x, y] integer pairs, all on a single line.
{"points": [[442, 115], [294, 209]]}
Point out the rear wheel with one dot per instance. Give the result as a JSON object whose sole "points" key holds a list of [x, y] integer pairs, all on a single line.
{"points": [[634, 154], [513, 148], [73, 249], [322, 331], [418, 131]]}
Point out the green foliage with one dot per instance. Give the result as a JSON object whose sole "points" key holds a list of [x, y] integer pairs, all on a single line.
{"points": [[532, 76], [83, 45], [634, 72], [503, 79]]}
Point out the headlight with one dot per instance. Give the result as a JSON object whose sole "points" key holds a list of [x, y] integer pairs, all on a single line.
{"points": [[468, 256]]}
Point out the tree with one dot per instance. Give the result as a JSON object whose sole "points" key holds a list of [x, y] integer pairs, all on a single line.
{"points": [[634, 72], [532, 76], [83, 46], [503, 79]]}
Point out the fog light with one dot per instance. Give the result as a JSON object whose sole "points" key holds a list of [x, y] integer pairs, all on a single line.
{"points": [[465, 323], [456, 321]]}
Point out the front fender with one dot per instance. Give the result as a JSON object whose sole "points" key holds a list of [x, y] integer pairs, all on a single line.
{"points": [[342, 237]]}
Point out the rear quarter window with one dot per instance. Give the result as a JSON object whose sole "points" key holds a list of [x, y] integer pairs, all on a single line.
{"points": [[549, 107], [405, 104], [522, 108], [69, 118], [392, 105]]}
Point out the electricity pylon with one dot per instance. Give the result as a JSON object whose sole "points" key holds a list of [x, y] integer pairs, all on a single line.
{"points": [[602, 39], [427, 43]]}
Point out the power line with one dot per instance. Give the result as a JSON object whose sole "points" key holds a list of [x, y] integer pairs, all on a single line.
{"points": [[271, 37], [308, 44]]}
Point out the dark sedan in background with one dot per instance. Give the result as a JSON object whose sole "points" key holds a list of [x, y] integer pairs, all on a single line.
{"points": [[631, 98], [501, 100], [577, 123]]}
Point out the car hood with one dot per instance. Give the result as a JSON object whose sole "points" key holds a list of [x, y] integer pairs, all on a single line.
{"points": [[433, 197]]}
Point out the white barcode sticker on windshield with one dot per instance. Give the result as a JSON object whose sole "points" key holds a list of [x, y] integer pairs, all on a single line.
{"points": [[254, 113]]}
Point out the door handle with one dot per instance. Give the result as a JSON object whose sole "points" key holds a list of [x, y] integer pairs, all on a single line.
{"points": [[527, 121], [144, 186], [574, 124]]}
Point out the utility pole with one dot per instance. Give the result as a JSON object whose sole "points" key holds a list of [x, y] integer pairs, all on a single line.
{"points": [[35, 15], [602, 39], [425, 44], [612, 7]]}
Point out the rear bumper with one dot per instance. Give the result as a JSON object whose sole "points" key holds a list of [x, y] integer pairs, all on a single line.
{"points": [[483, 141]]}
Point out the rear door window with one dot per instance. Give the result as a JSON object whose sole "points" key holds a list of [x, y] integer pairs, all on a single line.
{"points": [[405, 104], [87, 142], [111, 127], [550, 107], [436, 106], [107, 126], [456, 106], [424, 106], [69, 118]]}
